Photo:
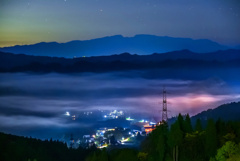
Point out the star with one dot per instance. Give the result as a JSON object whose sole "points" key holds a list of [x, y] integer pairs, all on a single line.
{"points": [[28, 5]]}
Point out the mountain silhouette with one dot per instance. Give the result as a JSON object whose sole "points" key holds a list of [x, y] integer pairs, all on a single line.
{"points": [[219, 62], [140, 44], [226, 112]]}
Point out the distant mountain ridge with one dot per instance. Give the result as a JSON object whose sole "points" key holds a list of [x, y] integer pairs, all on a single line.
{"points": [[184, 59], [139, 44]]}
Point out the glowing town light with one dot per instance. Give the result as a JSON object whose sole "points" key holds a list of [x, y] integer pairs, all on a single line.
{"points": [[152, 123], [67, 114], [129, 119], [73, 117], [105, 116], [125, 139], [103, 146]]}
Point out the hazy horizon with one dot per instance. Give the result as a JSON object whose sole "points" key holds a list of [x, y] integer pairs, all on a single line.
{"points": [[24, 22], [62, 42]]}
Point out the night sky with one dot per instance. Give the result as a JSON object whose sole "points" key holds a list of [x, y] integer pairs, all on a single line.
{"points": [[32, 21]]}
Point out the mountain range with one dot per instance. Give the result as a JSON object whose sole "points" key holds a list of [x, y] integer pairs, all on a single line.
{"points": [[139, 44], [178, 59]]}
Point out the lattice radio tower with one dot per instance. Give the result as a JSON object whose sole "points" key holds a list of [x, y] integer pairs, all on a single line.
{"points": [[164, 109]]}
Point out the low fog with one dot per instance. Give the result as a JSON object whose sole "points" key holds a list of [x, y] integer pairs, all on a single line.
{"points": [[36, 103]]}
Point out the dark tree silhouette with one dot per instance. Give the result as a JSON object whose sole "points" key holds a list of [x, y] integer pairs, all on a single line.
{"points": [[187, 124], [198, 126], [211, 139]]}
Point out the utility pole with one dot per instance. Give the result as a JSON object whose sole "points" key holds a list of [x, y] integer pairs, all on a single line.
{"points": [[164, 109]]}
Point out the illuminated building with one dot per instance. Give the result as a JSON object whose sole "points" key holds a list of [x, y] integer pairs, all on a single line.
{"points": [[148, 128]]}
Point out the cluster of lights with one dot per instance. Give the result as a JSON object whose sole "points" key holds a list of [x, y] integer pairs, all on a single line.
{"points": [[73, 117], [68, 114], [87, 113], [114, 114], [143, 121]]}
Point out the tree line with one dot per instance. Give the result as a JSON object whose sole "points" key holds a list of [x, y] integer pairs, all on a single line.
{"points": [[16, 148], [218, 141]]}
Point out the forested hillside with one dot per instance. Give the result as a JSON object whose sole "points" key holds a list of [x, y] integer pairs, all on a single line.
{"points": [[218, 141]]}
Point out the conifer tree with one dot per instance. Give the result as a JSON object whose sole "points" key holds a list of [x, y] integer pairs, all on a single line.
{"points": [[175, 138], [211, 139], [198, 126], [181, 121], [188, 124]]}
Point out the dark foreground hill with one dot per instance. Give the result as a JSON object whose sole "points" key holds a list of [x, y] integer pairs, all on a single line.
{"points": [[140, 44], [23, 149], [183, 59], [226, 112]]}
